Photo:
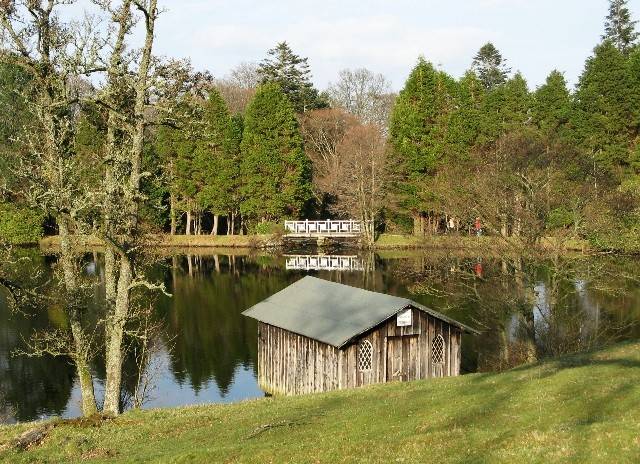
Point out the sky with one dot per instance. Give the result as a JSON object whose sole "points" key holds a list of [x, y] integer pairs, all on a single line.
{"points": [[535, 36]]}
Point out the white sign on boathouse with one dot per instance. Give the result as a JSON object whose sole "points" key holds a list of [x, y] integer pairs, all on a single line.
{"points": [[403, 319]]}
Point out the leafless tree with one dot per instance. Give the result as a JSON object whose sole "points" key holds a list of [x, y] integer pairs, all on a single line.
{"points": [[323, 132], [239, 86], [56, 53], [363, 176], [366, 95]]}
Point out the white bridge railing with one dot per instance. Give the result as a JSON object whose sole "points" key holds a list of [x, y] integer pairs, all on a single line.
{"points": [[324, 262], [327, 227]]}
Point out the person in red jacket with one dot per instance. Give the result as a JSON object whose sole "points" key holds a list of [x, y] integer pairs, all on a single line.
{"points": [[478, 227]]}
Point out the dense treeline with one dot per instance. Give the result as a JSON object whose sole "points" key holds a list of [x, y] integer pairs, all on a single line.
{"points": [[240, 154]]}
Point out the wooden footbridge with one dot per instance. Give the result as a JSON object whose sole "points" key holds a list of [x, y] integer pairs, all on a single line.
{"points": [[326, 228]]}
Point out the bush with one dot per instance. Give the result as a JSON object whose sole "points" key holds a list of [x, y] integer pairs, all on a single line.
{"points": [[269, 227], [560, 218], [18, 225]]}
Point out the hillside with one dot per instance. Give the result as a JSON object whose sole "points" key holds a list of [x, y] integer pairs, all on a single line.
{"points": [[580, 408]]}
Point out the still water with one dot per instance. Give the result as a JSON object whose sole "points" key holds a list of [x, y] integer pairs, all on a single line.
{"points": [[525, 309]]}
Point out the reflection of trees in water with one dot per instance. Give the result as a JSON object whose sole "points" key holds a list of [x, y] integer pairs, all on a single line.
{"points": [[30, 387], [209, 335], [529, 309]]}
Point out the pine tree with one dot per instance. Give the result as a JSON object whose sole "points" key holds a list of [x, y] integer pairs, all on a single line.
{"points": [[275, 172], [606, 108], [552, 104], [619, 28], [291, 72], [418, 135], [490, 67]]}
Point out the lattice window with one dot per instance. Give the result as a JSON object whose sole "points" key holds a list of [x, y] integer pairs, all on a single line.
{"points": [[437, 350], [365, 355]]}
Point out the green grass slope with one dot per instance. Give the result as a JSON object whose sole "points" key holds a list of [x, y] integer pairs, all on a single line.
{"points": [[581, 408]]}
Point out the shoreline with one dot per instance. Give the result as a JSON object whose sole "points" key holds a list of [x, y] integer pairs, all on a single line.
{"points": [[385, 242]]}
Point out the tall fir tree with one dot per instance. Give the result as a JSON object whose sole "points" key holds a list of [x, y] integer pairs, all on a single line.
{"points": [[619, 28], [216, 159], [505, 109], [275, 171], [606, 108], [552, 104], [418, 135], [490, 66], [464, 124], [291, 72]]}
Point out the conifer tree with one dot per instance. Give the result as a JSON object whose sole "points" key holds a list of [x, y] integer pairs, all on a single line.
{"points": [[552, 104], [291, 72], [606, 107], [275, 171], [216, 159], [490, 66], [418, 135], [464, 124], [506, 108], [619, 28]]}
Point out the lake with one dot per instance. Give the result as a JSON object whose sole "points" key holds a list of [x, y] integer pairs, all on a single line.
{"points": [[526, 309]]}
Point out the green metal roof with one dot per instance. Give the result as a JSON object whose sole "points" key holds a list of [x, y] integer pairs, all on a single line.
{"points": [[333, 313]]}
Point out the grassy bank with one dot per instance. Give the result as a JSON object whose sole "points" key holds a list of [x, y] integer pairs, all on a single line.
{"points": [[466, 242], [174, 241], [485, 244], [581, 408]]}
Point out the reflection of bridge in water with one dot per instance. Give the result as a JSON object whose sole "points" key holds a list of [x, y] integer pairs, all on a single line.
{"points": [[324, 263]]}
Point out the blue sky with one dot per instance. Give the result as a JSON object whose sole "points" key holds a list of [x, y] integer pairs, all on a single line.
{"points": [[535, 36]]}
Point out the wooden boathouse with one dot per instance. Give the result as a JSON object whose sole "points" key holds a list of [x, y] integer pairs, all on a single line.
{"points": [[317, 336]]}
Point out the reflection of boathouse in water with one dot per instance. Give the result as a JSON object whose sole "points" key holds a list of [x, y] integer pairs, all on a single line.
{"points": [[317, 336]]}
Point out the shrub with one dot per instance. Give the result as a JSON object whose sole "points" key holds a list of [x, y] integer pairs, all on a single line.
{"points": [[19, 225], [269, 227]]}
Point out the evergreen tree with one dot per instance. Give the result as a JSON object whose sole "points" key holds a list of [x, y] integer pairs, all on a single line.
{"points": [[15, 115], [606, 109], [490, 67], [216, 159], [506, 108], [464, 124], [418, 134], [552, 104], [619, 28], [291, 72], [275, 172]]}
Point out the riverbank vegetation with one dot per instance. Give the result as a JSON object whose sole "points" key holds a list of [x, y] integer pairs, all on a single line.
{"points": [[224, 156], [579, 408]]}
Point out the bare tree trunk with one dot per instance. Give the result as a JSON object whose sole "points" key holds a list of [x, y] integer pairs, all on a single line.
{"points": [[119, 313], [214, 230], [172, 213], [188, 226], [417, 223], [115, 334]]}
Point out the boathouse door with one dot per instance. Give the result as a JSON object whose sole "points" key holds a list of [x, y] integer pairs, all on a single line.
{"points": [[402, 356]]}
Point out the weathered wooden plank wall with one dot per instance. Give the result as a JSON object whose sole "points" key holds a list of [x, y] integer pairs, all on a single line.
{"points": [[289, 363]]}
